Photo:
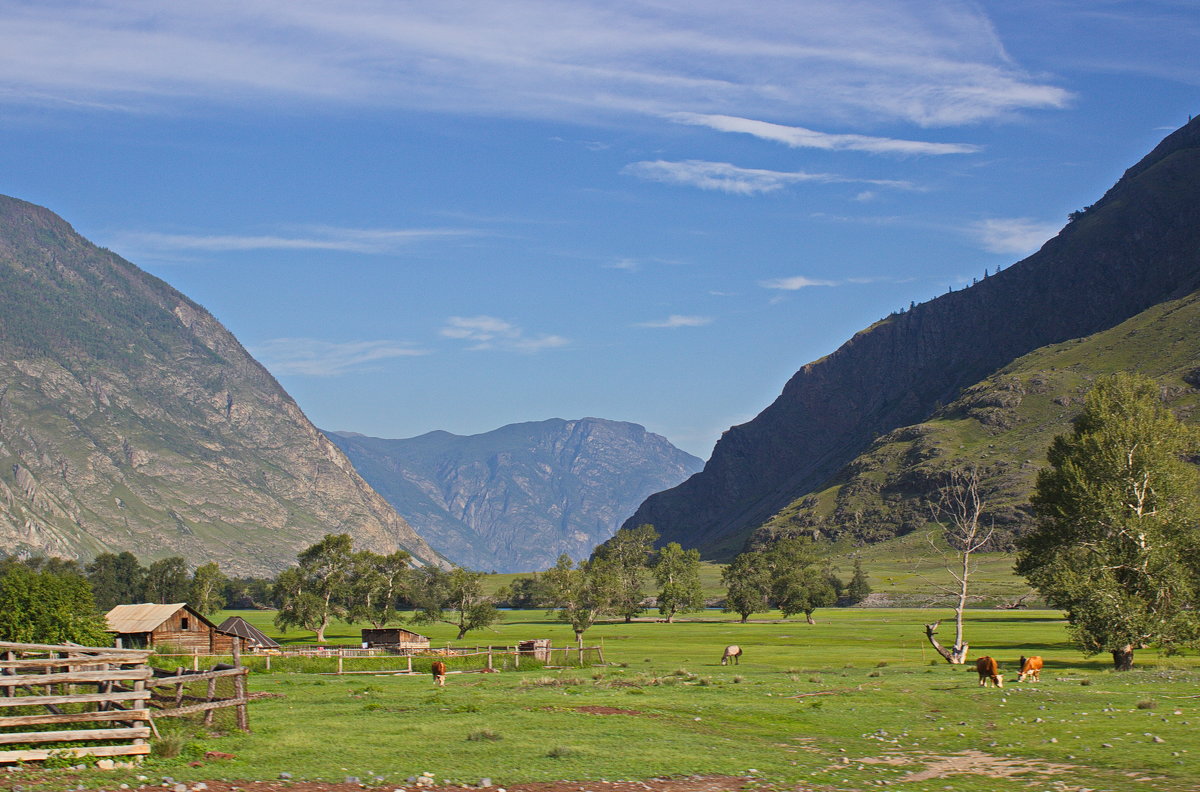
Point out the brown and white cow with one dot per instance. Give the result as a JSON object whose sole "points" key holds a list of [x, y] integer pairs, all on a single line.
{"points": [[732, 651], [989, 672], [439, 673], [1030, 667]]}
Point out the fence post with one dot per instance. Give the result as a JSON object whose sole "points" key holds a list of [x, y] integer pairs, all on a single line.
{"points": [[410, 664], [268, 662], [339, 662], [195, 659], [212, 694], [239, 686], [516, 658]]}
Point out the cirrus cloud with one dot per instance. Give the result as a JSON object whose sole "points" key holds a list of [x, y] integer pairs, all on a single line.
{"points": [[489, 332], [676, 320], [1016, 235], [730, 178], [316, 358]]}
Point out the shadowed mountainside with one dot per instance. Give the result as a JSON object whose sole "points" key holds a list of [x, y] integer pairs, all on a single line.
{"points": [[515, 498], [1138, 246], [130, 419]]}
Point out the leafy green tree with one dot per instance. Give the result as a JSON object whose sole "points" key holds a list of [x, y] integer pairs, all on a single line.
{"points": [[312, 593], [207, 590], [455, 597], [117, 579], [379, 585], [747, 582], [527, 592], [800, 583], [859, 587], [629, 552], [1116, 543], [167, 580], [246, 593], [581, 594], [677, 572], [40, 605]]}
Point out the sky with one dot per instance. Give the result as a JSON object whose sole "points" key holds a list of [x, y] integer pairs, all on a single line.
{"points": [[458, 215]]}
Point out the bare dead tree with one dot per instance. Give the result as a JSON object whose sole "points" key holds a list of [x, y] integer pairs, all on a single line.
{"points": [[957, 512]]}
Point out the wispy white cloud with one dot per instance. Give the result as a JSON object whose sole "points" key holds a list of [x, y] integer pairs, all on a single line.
{"points": [[489, 332], [350, 240], [675, 320], [316, 358], [794, 283], [1016, 235], [730, 178], [799, 137], [627, 264], [821, 59]]}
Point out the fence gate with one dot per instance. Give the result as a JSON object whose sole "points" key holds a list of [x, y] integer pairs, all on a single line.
{"points": [[72, 694]]}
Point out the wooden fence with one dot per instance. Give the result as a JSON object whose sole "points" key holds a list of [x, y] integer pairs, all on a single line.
{"points": [[51, 678]]}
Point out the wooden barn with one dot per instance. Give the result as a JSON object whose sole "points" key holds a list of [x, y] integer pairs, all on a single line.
{"points": [[253, 639], [393, 638], [173, 627]]}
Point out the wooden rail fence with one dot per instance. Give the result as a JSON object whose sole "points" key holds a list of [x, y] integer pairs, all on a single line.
{"points": [[50, 677]]}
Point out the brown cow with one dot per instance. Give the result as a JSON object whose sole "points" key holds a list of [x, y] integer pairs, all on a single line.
{"points": [[989, 672], [439, 673], [732, 651], [1030, 667]]}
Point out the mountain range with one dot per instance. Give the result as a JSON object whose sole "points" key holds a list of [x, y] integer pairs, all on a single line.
{"points": [[131, 419], [516, 498], [850, 445]]}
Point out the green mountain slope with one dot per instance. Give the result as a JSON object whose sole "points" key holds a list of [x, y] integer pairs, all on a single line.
{"points": [[1003, 425], [1135, 248], [130, 419]]}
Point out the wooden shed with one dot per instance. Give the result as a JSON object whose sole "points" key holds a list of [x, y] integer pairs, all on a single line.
{"points": [[393, 638], [167, 627], [253, 638]]}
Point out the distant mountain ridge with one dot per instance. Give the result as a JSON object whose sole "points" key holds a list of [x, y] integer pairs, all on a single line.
{"points": [[515, 498], [131, 419], [1137, 247]]}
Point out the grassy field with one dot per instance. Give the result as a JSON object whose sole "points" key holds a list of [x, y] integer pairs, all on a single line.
{"points": [[845, 704]]}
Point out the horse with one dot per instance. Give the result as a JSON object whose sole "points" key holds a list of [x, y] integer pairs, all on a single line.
{"points": [[734, 651]]}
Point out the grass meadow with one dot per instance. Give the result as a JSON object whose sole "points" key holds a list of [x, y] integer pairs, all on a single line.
{"points": [[854, 702]]}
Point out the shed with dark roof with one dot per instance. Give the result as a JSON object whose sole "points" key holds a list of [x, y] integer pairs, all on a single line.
{"points": [[252, 637]]}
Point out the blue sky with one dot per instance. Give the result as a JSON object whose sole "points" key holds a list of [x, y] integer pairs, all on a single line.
{"points": [[458, 215]]}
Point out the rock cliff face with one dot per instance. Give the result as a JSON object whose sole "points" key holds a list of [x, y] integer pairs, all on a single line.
{"points": [[516, 498], [130, 419], [1138, 246]]}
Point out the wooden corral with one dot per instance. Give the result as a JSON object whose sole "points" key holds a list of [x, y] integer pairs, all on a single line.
{"points": [[393, 638], [83, 694], [172, 627], [538, 648]]}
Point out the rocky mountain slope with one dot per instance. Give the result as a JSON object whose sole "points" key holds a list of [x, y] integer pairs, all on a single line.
{"points": [[1002, 426], [516, 498], [130, 419], [1135, 248]]}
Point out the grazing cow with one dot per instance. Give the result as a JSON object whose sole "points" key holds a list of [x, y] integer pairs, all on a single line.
{"points": [[989, 672], [732, 651], [439, 673], [1030, 667]]}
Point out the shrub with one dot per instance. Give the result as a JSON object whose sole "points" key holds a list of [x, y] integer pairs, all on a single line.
{"points": [[1147, 704], [560, 752], [483, 735]]}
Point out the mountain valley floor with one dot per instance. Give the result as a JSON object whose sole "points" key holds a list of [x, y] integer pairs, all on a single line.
{"points": [[856, 701]]}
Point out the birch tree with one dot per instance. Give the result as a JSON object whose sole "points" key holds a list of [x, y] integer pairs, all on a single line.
{"points": [[957, 512]]}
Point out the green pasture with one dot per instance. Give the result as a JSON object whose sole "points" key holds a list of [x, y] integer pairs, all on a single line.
{"points": [[846, 704]]}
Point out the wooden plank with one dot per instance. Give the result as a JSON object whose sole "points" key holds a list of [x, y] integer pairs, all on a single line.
{"points": [[42, 662], [178, 711], [86, 677], [172, 681], [74, 717], [81, 698], [36, 754], [25, 647], [75, 735]]}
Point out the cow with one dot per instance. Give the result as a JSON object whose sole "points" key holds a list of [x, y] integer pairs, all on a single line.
{"points": [[989, 672], [732, 651], [439, 673], [1030, 667]]}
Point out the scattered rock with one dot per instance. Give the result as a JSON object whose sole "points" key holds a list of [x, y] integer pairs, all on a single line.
{"points": [[285, 776], [105, 764], [485, 782], [218, 755]]}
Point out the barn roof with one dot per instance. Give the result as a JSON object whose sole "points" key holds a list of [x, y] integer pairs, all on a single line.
{"points": [[140, 618], [236, 625]]}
